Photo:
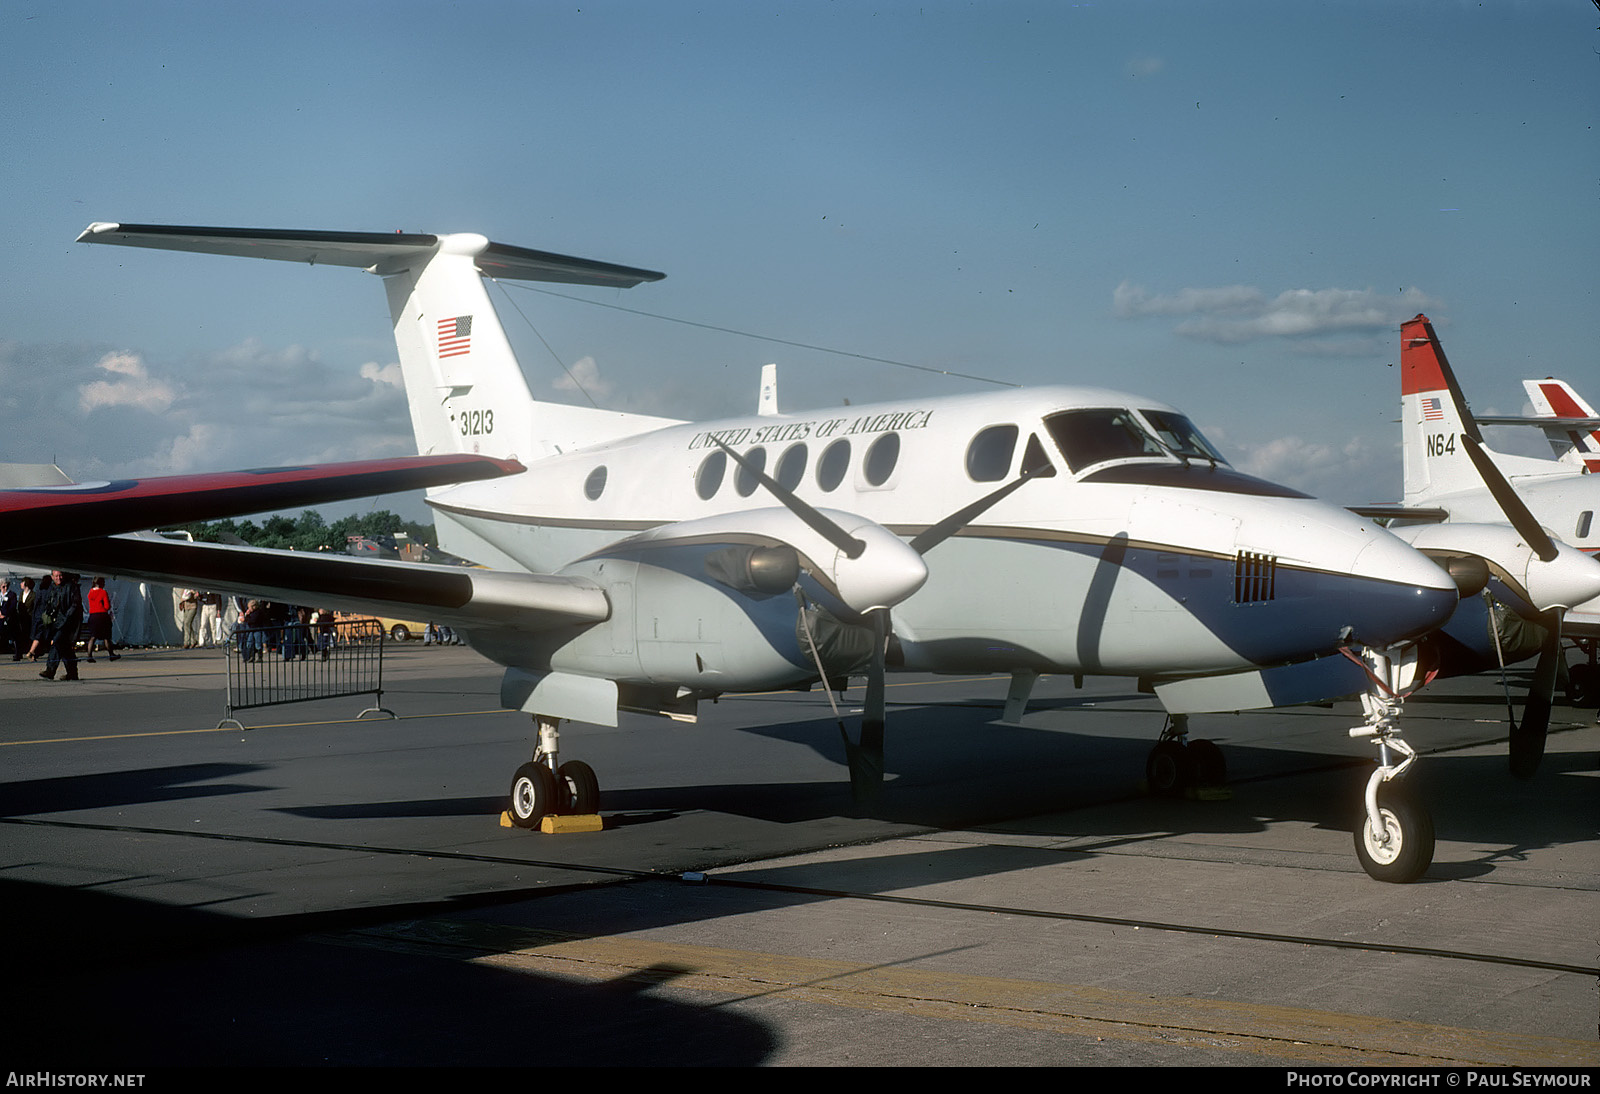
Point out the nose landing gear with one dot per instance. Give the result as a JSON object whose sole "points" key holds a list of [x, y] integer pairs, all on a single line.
{"points": [[1394, 836]]}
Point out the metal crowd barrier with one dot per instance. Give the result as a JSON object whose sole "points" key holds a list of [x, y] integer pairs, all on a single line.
{"points": [[299, 662]]}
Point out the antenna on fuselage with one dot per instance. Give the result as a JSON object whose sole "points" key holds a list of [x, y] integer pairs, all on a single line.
{"points": [[767, 399]]}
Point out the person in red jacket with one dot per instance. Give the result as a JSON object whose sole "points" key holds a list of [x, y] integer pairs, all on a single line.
{"points": [[99, 620]]}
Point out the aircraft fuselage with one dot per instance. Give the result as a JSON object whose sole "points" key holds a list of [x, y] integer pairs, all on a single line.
{"points": [[1125, 556]]}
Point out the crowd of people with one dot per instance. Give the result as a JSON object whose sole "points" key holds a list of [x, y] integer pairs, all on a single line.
{"points": [[47, 619]]}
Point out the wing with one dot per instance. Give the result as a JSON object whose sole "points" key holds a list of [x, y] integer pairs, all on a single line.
{"points": [[53, 514], [456, 595]]}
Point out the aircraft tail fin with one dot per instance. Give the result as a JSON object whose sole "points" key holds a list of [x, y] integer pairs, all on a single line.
{"points": [[1433, 416], [1576, 443], [465, 388]]}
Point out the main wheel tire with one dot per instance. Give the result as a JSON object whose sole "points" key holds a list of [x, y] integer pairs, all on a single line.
{"points": [[533, 795], [1169, 770], [1408, 852], [1210, 765], [1583, 686], [400, 632], [577, 789]]}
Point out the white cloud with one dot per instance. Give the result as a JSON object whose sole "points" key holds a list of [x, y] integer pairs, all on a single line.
{"points": [[134, 387], [1131, 301], [108, 415], [384, 374], [584, 375], [1242, 313], [1362, 470]]}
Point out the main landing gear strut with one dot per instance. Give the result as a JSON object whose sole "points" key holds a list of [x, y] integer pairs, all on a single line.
{"points": [[1177, 764], [545, 786]]}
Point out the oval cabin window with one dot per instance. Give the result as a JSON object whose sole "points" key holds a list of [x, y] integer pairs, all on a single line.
{"points": [[834, 463], [709, 478], [744, 479], [883, 454]]}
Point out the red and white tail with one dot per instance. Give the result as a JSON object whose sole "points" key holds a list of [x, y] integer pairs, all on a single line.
{"points": [[1433, 416], [1574, 434]]}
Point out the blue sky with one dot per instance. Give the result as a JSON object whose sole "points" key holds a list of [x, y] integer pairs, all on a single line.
{"points": [[1227, 205]]}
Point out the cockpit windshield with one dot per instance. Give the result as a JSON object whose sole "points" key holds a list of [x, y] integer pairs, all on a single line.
{"points": [[1088, 437], [1179, 434]]}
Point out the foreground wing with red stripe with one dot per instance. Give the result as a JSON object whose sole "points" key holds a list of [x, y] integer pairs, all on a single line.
{"points": [[55, 514]]}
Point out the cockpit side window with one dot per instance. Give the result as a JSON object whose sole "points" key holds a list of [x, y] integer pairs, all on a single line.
{"points": [[1179, 434], [1088, 437], [1035, 461], [989, 454]]}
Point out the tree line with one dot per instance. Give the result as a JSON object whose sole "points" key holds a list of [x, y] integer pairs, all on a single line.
{"points": [[308, 532]]}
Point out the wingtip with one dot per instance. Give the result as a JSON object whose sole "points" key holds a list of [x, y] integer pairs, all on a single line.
{"points": [[99, 227]]}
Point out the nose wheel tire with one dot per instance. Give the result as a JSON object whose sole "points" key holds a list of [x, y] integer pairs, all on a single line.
{"points": [[1406, 851], [577, 789], [533, 795]]}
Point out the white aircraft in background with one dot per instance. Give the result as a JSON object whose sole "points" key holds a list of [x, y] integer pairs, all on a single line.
{"points": [[1569, 423], [1468, 507], [644, 563]]}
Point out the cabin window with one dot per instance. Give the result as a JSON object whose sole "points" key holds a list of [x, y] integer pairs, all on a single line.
{"points": [[834, 463], [882, 455], [1088, 437], [989, 454], [595, 484], [744, 478], [709, 477], [791, 467], [1179, 434], [1585, 519]]}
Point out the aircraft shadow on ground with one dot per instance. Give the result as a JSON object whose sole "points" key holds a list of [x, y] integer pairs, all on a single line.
{"points": [[128, 985], [141, 785], [1052, 783]]}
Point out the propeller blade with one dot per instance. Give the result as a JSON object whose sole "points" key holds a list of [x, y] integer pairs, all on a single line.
{"points": [[1527, 739], [1510, 504], [958, 520], [827, 529], [866, 759]]}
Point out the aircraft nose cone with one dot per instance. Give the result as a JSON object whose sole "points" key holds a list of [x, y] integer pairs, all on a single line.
{"points": [[1410, 596]]}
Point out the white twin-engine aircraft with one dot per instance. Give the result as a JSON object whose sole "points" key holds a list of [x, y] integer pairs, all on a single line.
{"points": [[643, 563], [1494, 519]]}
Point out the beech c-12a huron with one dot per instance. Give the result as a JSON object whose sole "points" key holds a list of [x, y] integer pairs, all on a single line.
{"points": [[643, 563]]}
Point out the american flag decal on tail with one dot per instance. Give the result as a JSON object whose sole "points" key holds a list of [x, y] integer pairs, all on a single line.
{"points": [[1432, 410], [455, 336]]}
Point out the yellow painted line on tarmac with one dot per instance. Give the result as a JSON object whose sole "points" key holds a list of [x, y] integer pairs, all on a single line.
{"points": [[739, 976], [415, 717]]}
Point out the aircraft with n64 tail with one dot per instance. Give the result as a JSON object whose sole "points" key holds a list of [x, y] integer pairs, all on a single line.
{"points": [[1519, 528], [644, 563]]}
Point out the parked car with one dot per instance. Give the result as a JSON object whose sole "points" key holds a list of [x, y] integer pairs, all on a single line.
{"points": [[398, 630]]}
